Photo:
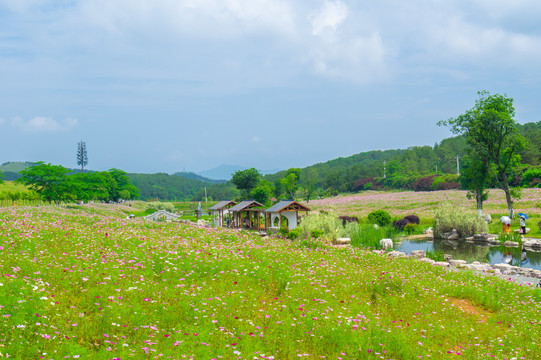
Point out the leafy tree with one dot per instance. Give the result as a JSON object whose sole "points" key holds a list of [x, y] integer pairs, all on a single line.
{"points": [[475, 176], [50, 181], [121, 182], [491, 131], [1, 178], [263, 192], [82, 158], [291, 181], [246, 181]]}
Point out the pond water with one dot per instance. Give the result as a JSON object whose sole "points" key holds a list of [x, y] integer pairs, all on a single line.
{"points": [[470, 252]]}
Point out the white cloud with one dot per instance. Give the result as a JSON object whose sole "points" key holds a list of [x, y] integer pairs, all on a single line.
{"points": [[256, 139], [44, 124], [330, 16], [2, 121]]}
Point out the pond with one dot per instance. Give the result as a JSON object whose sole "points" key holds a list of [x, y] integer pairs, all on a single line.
{"points": [[470, 252]]}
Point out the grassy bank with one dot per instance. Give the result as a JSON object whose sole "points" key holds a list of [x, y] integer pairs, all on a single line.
{"points": [[84, 285]]}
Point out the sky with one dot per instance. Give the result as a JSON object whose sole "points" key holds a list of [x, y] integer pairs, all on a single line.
{"points": [[187, 85]]}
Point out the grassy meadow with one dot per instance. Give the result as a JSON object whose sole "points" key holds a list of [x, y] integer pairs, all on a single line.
{"points": [[86, 283]]}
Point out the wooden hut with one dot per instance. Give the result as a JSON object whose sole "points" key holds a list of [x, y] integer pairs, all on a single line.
{"points": [[219, 209], [247, 214], [285, 208]]}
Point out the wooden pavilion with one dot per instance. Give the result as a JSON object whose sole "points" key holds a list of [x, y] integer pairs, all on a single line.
{"points": [[247, 214], [219, 209], [285, 208]]}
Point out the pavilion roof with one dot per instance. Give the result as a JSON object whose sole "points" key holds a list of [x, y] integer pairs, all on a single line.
{"points": [[246, 204], [223, 205], [287, 205]]}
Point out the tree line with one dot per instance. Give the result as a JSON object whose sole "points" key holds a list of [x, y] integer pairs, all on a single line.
{"points": [[53, 183]]}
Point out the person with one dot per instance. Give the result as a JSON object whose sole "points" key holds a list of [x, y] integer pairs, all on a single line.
{"points": [[522, 225], [506, 224]]}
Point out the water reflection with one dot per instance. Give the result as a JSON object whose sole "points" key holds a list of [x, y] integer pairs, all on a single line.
{"points": [[469, 251]]}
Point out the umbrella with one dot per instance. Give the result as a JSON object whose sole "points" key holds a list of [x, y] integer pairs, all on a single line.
{"points": [[505, 220], [523, 215]]}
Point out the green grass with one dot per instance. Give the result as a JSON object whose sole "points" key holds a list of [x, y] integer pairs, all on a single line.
{"points": [[11, 187], [78, 283]]}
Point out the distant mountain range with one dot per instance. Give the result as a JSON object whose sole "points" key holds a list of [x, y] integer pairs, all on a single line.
{"points": [[225, 172]]}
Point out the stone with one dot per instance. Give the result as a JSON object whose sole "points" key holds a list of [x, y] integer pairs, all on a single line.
{"points": [[518, 230], [483, 237], [430, 237], [452, 235], [502, 267], [342, 241], [397, 254], [511, 244], [427, 260], [376, 226], [386, 244], [479, 267], [457, 263], [428, 231], [532, 243], [418, 254], [447, 257], [441, 263], [488, 218]]}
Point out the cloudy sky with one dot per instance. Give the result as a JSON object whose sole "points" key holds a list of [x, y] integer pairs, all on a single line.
{"points": [[172, 85]]}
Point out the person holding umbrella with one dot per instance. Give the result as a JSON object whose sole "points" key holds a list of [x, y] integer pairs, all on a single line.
{"points": [[523, 218]]}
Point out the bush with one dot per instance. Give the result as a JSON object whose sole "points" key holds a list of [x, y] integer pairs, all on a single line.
{"points": [[283, 232], [316, 233], [156, 205], [410, 228], [400, 224], [466, 222], [424, 183], [539, 225], [329, 224], [413, 219], [294, 234], [379, 217], [348, 219]]}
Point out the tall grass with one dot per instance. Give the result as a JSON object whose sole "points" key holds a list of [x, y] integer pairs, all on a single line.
{"points": [[466, 222], [369, 236]]}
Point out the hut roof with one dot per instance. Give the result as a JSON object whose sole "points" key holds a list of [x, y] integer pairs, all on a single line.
{"points": [[246, 204], [223, 205], [287, 205]]}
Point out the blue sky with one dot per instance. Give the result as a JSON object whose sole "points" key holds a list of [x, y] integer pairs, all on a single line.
{"points": [[173, 85]]}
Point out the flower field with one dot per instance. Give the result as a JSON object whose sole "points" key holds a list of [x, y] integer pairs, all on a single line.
{"points": [[80, 284], [399, 204]]}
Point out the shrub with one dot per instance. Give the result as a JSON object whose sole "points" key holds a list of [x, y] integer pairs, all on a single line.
{"points": [[329, 224], [466, 222], [410, 228], [156, 205], [400, 224], [531, 177], [348, 219], [539, 225], [380, 217], [294, 234], [283, 232], [316, 233], [424, 183], [414, 219]]}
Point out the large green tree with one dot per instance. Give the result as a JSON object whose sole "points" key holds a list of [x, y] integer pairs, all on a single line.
{"points": [[490, 129], [50, 181], [290, 182], [475, 176], [246, 181]]}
